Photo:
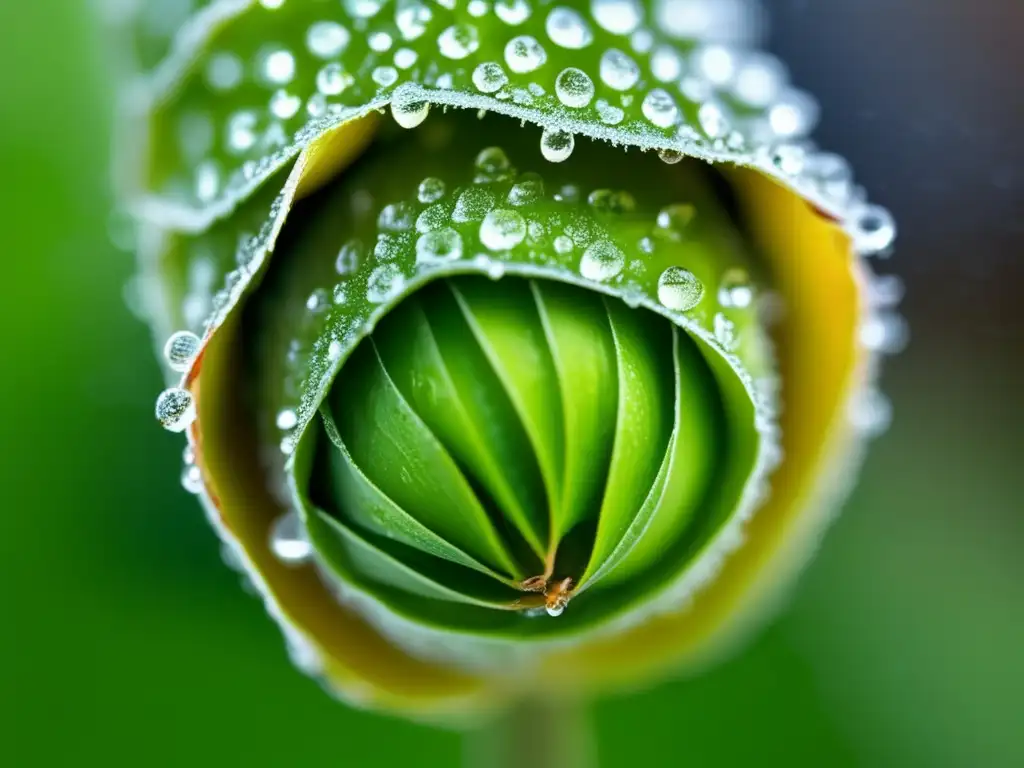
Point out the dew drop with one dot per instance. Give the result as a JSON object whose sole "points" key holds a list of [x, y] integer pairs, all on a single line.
{"points": [[385, 282], [790, 159], [489, 77], [555, 610], [363, 9], [439, 246], [512, 12], [286, 419], [527, 189], [431, 190], [885, 332], [886, 291], [277, 67], [224, 71], [339, 294], [411, 113], [871, 412], [659, 107], [180, 350], [502, 229], [602, 260], [793, 114], [670, 156], [492, 164], [568, 29], [735, 290], [326, 39], [289, 541], [833, 175], [715, 63], [349, 258], [434, 217], [556, 145], [284, 105], [666, 64], [412, 18], [317, 301], [713, 120], [175, 409], [472, 205], [207, 181], [396, 217], [380, 42], [563, 244], [405, 58], [642, 40], [192, 479], [759, 80], [618, 70], [620, 17], [574, 87], [873, 230], [536, 232], [458, 41], [679, 289], [332, 79], [524, 54], [384, 76]]}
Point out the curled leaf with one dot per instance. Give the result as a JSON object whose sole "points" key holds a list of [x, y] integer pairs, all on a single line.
{"points": [[473, 366]]}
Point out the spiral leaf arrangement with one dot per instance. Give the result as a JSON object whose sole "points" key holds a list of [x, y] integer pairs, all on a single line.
{"points": [[450, 374]]}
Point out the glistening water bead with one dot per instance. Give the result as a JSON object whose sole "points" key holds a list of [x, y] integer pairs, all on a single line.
{"points": [[574, 87], [430, 190], [175, 409], [512, 12], [602, 261], [679, 289], [556, 145], [288, 539], [180, 350], [502, 229], [620, 17], [411, 113], [618, 70], [489, 77], [458, 41], [735, 290], [438, 246], [568, 29], [524, 54]]}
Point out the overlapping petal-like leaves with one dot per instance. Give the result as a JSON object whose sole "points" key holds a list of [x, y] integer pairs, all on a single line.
{"points": [[511, 350]]}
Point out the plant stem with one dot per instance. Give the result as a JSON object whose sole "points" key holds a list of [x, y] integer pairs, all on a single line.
{"points": [[534, 733]]}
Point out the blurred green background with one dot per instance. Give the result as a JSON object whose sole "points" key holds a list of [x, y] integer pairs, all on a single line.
{"points": [[127, 642]]}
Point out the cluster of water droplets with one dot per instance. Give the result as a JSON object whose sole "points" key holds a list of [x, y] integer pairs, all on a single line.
{"points": [[678, 77], [503, 221]]}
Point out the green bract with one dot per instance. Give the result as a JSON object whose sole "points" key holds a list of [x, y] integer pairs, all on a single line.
{"points": [[506, 355]]}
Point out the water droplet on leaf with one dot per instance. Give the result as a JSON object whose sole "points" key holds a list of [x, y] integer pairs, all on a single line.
{"points": [[175, 409], [679, 289], [180, 350]]}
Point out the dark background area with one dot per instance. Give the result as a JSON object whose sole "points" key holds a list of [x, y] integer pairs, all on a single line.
{"points": [[125, 640]]}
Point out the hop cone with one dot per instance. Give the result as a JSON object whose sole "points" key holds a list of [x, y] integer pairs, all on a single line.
{"points": [[489, 379]]}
